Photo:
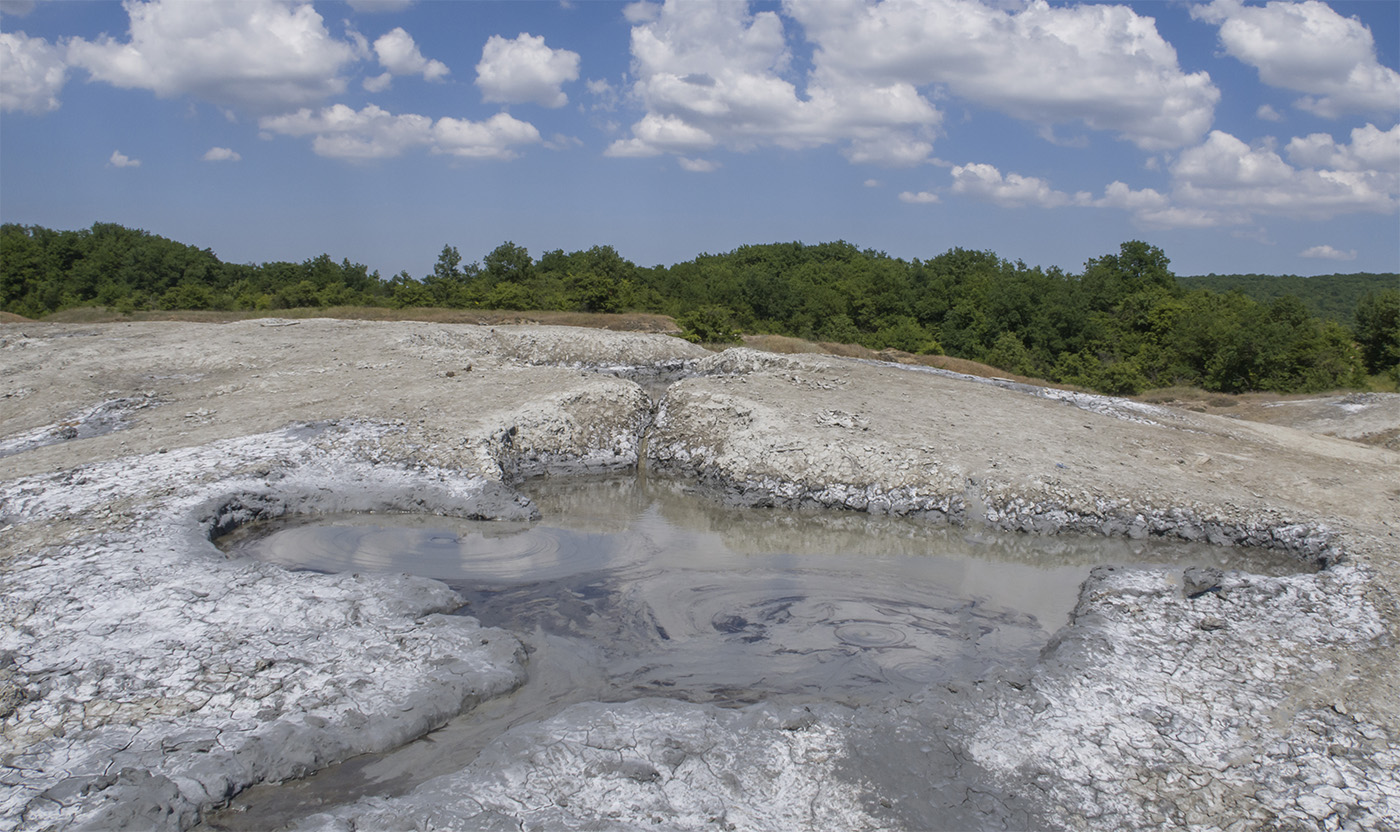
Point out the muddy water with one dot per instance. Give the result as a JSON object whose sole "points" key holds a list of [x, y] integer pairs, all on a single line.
{"points": [[629, 588]]}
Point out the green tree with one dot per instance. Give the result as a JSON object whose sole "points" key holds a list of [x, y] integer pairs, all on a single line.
{"points": [[445, 269], [1011, 355], [1136, 266], [509, 295], [593, 292], [508, 262], [1378, 330], [902, 332], [405, 291]]}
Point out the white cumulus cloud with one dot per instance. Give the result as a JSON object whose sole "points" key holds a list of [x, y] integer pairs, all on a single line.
{"points": [[1371, 149], [893, 149], [919, 198], [1119, 195], [697, 165], [1308, 47], [399, 55], [255, 55], [1224, 181], [379, 83], [525, 69], [985, 182], [221, 154], [32, 72], [712, 73], [340, 132], [1100, 65], [1232, 179], [605, 95], [119, 159], [641, 11], [1327, 253], [494, 138], [655, 134]]}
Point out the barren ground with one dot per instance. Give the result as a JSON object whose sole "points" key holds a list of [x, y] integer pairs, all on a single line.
{"points": [[144, 679]]}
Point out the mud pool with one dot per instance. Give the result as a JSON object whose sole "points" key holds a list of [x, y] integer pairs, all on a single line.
{"points": [[642, 587]]}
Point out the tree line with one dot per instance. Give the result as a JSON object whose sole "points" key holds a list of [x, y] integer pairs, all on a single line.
{"points": [[43, 271], [1332, 296], [1122, 325]]}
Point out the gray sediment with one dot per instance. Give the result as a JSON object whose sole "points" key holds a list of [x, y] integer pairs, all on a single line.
{"points": [[145, 678]]}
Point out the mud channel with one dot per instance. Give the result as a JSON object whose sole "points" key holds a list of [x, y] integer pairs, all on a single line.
{"points": [[631, 587]]}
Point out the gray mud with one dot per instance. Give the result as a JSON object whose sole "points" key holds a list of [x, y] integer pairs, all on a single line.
{"points": [[99, 420], [629, 589], [146, 679]]}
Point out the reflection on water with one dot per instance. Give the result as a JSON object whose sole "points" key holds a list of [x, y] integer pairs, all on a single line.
{"points": [[633, 587]]}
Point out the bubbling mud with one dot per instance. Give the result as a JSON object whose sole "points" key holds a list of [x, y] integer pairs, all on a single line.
{"points": [[636, 587]]}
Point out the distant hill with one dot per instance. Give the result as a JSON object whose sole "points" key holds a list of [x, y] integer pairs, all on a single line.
{"points": [[1332, 296]]}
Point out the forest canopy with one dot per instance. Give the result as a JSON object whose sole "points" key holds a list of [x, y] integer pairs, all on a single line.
{"points": [[1124, 324]]}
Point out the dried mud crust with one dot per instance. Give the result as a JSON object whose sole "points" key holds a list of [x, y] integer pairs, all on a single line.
{"points": [[144, 678], [1261, 703], [154, 677]]}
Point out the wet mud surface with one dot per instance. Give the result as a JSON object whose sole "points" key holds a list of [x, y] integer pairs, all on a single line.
{"points": [[628, 588], [106, 417]]}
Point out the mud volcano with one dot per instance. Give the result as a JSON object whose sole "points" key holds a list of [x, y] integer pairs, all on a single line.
{"points": [[671, 663], [629, 588]]}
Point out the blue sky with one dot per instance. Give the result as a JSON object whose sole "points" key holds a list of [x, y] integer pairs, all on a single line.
{"points": [[1237, 136]]}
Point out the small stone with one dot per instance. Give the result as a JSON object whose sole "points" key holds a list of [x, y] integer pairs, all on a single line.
{"points": [[1198, 580]]}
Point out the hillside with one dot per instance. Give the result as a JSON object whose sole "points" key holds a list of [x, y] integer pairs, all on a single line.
{"points": [[1330, 296]]}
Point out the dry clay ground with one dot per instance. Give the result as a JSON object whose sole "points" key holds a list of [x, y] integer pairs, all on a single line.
{"points": [[144, 679]]}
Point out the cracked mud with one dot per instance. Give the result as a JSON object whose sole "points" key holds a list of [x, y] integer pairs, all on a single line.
{"points": [[146, 679]]}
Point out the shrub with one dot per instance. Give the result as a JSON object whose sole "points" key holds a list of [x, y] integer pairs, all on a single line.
{"points": [[709, 325]]}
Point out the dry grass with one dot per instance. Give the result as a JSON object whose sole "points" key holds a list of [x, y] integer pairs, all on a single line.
{"points": [[1170, 395], [784, 344], [12, 318], [621, 322], [1254, 407]]}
